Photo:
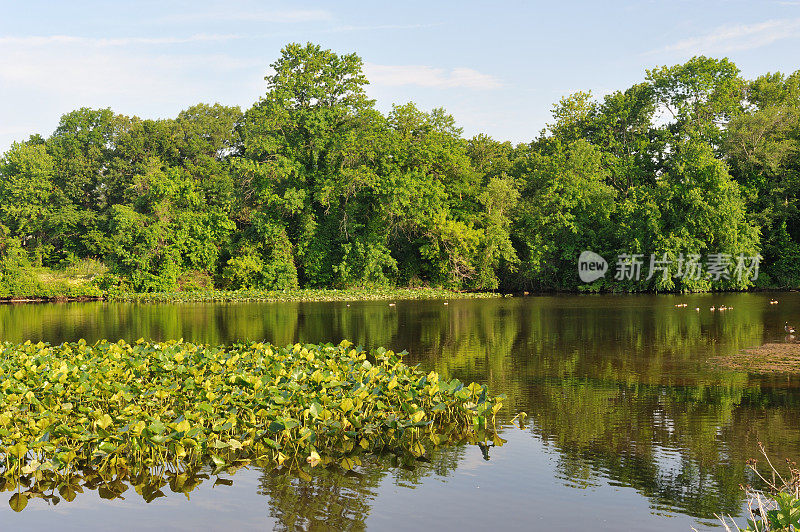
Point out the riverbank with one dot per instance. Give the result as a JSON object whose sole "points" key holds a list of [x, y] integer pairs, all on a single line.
{"points": [[227, 296], [350, 294], [51, 299]]}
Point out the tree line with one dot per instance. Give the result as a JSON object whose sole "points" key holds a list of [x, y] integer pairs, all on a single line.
{"points": [[314, 187]]}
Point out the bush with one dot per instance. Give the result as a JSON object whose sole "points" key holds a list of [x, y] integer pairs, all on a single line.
{"points": [[110, 283], [16, 277], [195, 281], [249, 271], [244, 271]]}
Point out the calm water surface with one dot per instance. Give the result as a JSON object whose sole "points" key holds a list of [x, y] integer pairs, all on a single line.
{"points": [[630, 427]]}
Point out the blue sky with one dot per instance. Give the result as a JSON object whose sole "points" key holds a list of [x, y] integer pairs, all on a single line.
{"points": [[497, 67]]}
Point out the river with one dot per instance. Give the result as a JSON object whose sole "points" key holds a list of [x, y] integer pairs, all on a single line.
{"points": [[630, 426]]}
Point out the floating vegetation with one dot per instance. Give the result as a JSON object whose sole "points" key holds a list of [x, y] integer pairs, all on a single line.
{"points": [[149, 414], [767, 358], [350, 294]]}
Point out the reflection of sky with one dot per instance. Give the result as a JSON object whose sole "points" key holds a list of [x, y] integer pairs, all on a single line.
{"points": [[237, 507], [517, 489]]}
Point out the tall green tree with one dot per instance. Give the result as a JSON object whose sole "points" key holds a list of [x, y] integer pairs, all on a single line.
{"points": [[26, 189]]}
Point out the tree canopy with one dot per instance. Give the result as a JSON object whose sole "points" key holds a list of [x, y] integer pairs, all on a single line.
{"points": [[314, 187]]}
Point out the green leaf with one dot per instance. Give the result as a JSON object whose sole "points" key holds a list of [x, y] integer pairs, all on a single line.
{"points": [[18, 502], [315, 409]]}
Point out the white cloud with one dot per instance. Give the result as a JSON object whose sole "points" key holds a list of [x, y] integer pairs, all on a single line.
{"points": [[378, 27], [427, 76], [49, 40], [55, 78], [733, 38], [278, 16], [87, 70]]}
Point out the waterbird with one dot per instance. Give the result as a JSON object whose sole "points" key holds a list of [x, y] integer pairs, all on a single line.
{"points": [[788, 328], [446, 303], [712, 309], [391, 304], [697, 309]]}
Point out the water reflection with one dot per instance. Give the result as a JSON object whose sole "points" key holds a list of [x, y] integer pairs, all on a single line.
{"points": [[619, 388], [335, 500]]}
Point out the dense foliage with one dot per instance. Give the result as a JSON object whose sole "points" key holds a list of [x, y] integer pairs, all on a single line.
{"points": [[116, 412], [314, 187]]}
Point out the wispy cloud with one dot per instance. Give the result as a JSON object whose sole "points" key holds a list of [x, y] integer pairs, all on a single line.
{"points": [[97, 76], [379, 27], [733, 38], [278, 16], [48, 40], [58, 40], [427, 76]]}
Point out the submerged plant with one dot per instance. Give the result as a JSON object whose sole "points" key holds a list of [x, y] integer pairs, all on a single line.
{"points": [[117, 412]]}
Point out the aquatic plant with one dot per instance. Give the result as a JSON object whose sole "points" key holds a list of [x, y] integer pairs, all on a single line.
{"points": [[778, 506], [350, 294], [116, 412]]}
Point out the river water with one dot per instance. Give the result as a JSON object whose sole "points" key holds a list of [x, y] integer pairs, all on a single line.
{"points": [[630, 427]]}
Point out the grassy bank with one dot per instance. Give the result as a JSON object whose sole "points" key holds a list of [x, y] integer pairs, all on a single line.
{"points": [[88, 280], [111, 412], [24, 282]]}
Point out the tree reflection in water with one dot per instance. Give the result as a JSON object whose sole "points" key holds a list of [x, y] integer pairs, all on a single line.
{"points": [[618, 386]]}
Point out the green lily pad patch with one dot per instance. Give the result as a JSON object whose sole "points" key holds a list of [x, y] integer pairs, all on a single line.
{"points": [[120, 411]]}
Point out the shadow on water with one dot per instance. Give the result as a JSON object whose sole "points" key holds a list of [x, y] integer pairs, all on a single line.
{"points": [[623, 403]]}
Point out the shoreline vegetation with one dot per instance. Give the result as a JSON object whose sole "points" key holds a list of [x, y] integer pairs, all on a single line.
{"points": [[110, 414], [84, 291], [310, 295], [349, 294], [314, 187], [777, 506]]}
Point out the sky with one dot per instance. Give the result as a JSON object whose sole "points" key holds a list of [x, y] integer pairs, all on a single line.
{"points": [[498, 67]]}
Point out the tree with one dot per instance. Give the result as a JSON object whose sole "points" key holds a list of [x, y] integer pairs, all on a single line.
{"points": [[697, 209], [291, 142], [699, 96], [763, 148], [565, 208], [26, 187]]}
